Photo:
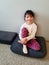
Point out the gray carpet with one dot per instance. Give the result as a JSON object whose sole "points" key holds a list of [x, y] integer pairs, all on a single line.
{"points": [[9, 58]]}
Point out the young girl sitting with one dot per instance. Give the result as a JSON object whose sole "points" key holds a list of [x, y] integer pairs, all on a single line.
{"points": [[28, 31]]}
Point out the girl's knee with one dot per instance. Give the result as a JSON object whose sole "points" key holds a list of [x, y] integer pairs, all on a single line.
{"points": [[24, 32]]}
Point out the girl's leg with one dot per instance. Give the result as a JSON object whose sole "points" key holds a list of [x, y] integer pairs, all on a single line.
{"points": [[33, 44], [24, 33]]}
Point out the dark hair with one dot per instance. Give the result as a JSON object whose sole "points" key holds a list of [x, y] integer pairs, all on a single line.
{"points": [[30, 12]]}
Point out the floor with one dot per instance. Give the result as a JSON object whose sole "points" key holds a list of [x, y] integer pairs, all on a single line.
{"points": [[9, 58]]}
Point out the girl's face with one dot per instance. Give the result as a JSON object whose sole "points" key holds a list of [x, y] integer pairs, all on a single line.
{"points": [[29, 19]]}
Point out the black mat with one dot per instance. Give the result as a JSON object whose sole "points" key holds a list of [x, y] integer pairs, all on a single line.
{"points": [[17, 48], [7, 37]]}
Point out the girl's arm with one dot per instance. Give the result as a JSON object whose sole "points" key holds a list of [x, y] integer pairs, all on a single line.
{"points": [[32, 36], [20, 32]]}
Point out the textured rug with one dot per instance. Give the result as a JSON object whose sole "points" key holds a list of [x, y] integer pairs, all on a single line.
{"points": [[9, 58]]}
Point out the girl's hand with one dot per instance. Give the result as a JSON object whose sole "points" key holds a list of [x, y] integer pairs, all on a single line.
{"points": [[23, 41]]}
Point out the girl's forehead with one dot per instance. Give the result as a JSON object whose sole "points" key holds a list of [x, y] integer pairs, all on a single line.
{"points": [[29, 15]]}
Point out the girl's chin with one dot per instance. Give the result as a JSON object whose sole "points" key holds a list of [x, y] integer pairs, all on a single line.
{"points": [[29, 22]]}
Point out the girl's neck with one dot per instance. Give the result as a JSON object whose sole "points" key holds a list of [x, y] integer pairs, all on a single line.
{"points": [[29, 23]]}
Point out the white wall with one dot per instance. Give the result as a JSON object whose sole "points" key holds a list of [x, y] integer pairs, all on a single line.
{"points": [[12, 11]]}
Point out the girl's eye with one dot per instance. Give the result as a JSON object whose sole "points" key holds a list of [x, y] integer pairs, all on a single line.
{"points": [[27, 16]]}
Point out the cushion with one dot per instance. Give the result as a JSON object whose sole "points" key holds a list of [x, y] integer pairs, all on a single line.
{"points": [[7, 37], [17, 48]]}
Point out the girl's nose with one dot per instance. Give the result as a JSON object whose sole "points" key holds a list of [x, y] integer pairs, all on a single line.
{"points": [[29, 18]]}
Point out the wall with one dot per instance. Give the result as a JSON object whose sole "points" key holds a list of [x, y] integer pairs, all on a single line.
{"points": [[12, 11]]}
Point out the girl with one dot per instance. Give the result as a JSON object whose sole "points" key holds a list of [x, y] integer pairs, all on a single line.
{"points": [[28, 31]]}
